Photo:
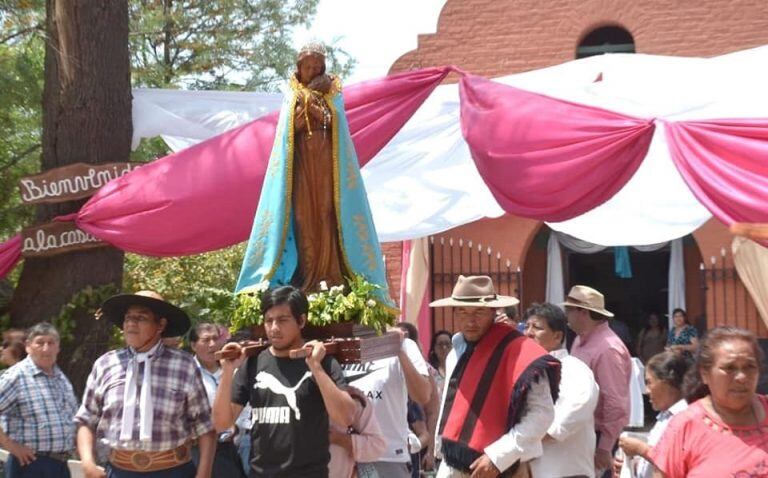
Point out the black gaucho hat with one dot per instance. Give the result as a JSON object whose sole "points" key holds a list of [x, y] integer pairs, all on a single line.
{"points": [[114, 308]]}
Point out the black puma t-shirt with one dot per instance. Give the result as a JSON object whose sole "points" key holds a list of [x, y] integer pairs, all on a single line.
{"points": [[290, 423]]}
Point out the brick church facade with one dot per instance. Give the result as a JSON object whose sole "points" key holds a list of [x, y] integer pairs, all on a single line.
{"points": [[501, 37]]}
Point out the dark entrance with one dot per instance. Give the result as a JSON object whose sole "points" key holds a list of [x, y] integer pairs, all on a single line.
{"points": [[631, 300]]}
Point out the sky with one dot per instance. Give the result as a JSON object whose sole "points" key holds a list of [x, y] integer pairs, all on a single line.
{"points": [[374, 32]]}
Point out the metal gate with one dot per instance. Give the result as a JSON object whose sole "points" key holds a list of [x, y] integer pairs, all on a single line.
{"points": [[451, 257], [725, 300]]}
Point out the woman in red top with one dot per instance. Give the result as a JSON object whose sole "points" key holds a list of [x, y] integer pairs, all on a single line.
{"points": [[725, 432]]}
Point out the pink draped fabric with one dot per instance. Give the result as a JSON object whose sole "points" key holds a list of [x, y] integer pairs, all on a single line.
{"points": [[10, 255], [204, 198], [725, 164], [545, 158]]}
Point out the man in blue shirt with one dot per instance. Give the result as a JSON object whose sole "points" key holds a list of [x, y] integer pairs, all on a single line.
{"points": [[39, 405]]}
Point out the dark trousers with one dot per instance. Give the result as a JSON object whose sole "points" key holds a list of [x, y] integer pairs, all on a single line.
{"points": [[186, 470], [226, 461], [42, 467]]}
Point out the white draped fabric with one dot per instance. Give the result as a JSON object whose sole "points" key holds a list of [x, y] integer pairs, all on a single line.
{"points": [[184, 118], [424, 181], [636, 391], [555, 288], [676, 294]]}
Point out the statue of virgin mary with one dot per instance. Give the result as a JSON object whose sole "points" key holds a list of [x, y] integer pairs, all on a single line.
{"points": [[313, 224]]}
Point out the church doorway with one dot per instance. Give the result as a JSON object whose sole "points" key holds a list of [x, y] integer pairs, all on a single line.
{"points": [[631, 299]]}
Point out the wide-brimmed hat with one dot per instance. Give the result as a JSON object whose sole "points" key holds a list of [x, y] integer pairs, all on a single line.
{"points": [[475, 291], [114, 308], [588, 298]]}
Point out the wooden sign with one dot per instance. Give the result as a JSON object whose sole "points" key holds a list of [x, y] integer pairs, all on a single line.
{"points": [[56, 238], [76, 181]]}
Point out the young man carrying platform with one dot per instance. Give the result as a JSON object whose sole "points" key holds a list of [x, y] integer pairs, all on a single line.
{"points": [[292, 399]]}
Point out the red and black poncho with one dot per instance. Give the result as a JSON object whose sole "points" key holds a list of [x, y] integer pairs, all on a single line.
{"points": [[487, 392]]}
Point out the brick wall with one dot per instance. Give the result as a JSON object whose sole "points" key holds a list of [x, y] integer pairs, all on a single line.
{"points": [[495, 37]]}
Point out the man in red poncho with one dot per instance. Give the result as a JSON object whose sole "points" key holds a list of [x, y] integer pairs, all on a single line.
{"points": [[499, 397]]}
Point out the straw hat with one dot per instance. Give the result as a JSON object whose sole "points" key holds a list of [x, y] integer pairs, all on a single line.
{"points": [[475, 291], [114, 308], [588, 298]]}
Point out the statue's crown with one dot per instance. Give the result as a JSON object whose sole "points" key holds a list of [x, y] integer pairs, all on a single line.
{"points": [[313, 47]]}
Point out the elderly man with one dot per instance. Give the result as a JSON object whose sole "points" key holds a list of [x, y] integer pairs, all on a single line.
{"points": [[569, 447], [146, 401], [498, 400], [38, 404], [605, 353], [204, 339]]}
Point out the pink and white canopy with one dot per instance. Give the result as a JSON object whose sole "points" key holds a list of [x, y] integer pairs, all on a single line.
{"points": [[614, 150]]}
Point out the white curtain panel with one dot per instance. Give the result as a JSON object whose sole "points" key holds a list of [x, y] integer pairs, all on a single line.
{"points": [[555, 289]]}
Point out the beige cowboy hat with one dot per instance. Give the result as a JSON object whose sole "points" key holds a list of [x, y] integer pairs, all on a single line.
{"points": [[587, 298], [475, 291]]}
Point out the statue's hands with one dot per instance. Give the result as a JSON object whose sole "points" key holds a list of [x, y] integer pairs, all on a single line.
{"points": [[316, 110], [300, 107]]}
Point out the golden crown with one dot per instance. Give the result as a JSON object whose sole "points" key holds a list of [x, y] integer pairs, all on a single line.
{"points": [[313, 48]]}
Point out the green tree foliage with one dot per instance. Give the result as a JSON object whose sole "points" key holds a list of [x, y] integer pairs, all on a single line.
{"points": [[226, 44], [21, 89]]}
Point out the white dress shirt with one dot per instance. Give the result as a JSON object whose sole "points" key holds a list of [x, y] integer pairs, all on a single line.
{"points": [[523, 441], [571, 450]]}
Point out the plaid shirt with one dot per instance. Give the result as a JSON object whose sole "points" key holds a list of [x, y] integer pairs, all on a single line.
{"points": [[38, 408], [181, 409]]}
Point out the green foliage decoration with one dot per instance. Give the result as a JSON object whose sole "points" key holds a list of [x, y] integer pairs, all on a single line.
{"points": [[355, 301]]}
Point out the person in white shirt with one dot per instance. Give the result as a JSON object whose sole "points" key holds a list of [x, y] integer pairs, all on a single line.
{"points": [[388, 383], [204, 342], [664, 375], [499, 396], [569, 446]]}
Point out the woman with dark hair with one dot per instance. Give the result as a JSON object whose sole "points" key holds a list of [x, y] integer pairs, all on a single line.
{"points": [[664, 374], [724, 432], [682, 336], [652, 339], [438, 352]]}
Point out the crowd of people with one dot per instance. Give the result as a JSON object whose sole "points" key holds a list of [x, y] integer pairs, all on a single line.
{"points": [[503, 396]]}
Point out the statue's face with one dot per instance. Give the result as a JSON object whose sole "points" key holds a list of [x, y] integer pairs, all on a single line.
{"points": [[309, 67]]}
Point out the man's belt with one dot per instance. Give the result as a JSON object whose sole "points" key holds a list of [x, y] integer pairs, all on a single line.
{"points": [[54, 455], [147, 461]]}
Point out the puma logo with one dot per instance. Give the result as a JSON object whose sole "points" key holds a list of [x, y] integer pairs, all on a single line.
{"points": [[267, 381]]}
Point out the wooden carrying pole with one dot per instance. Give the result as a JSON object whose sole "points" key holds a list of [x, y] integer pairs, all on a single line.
{"points": [[345, 350]]}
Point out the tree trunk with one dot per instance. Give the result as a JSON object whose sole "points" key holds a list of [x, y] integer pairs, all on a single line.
{"points": [[86, 118]]}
